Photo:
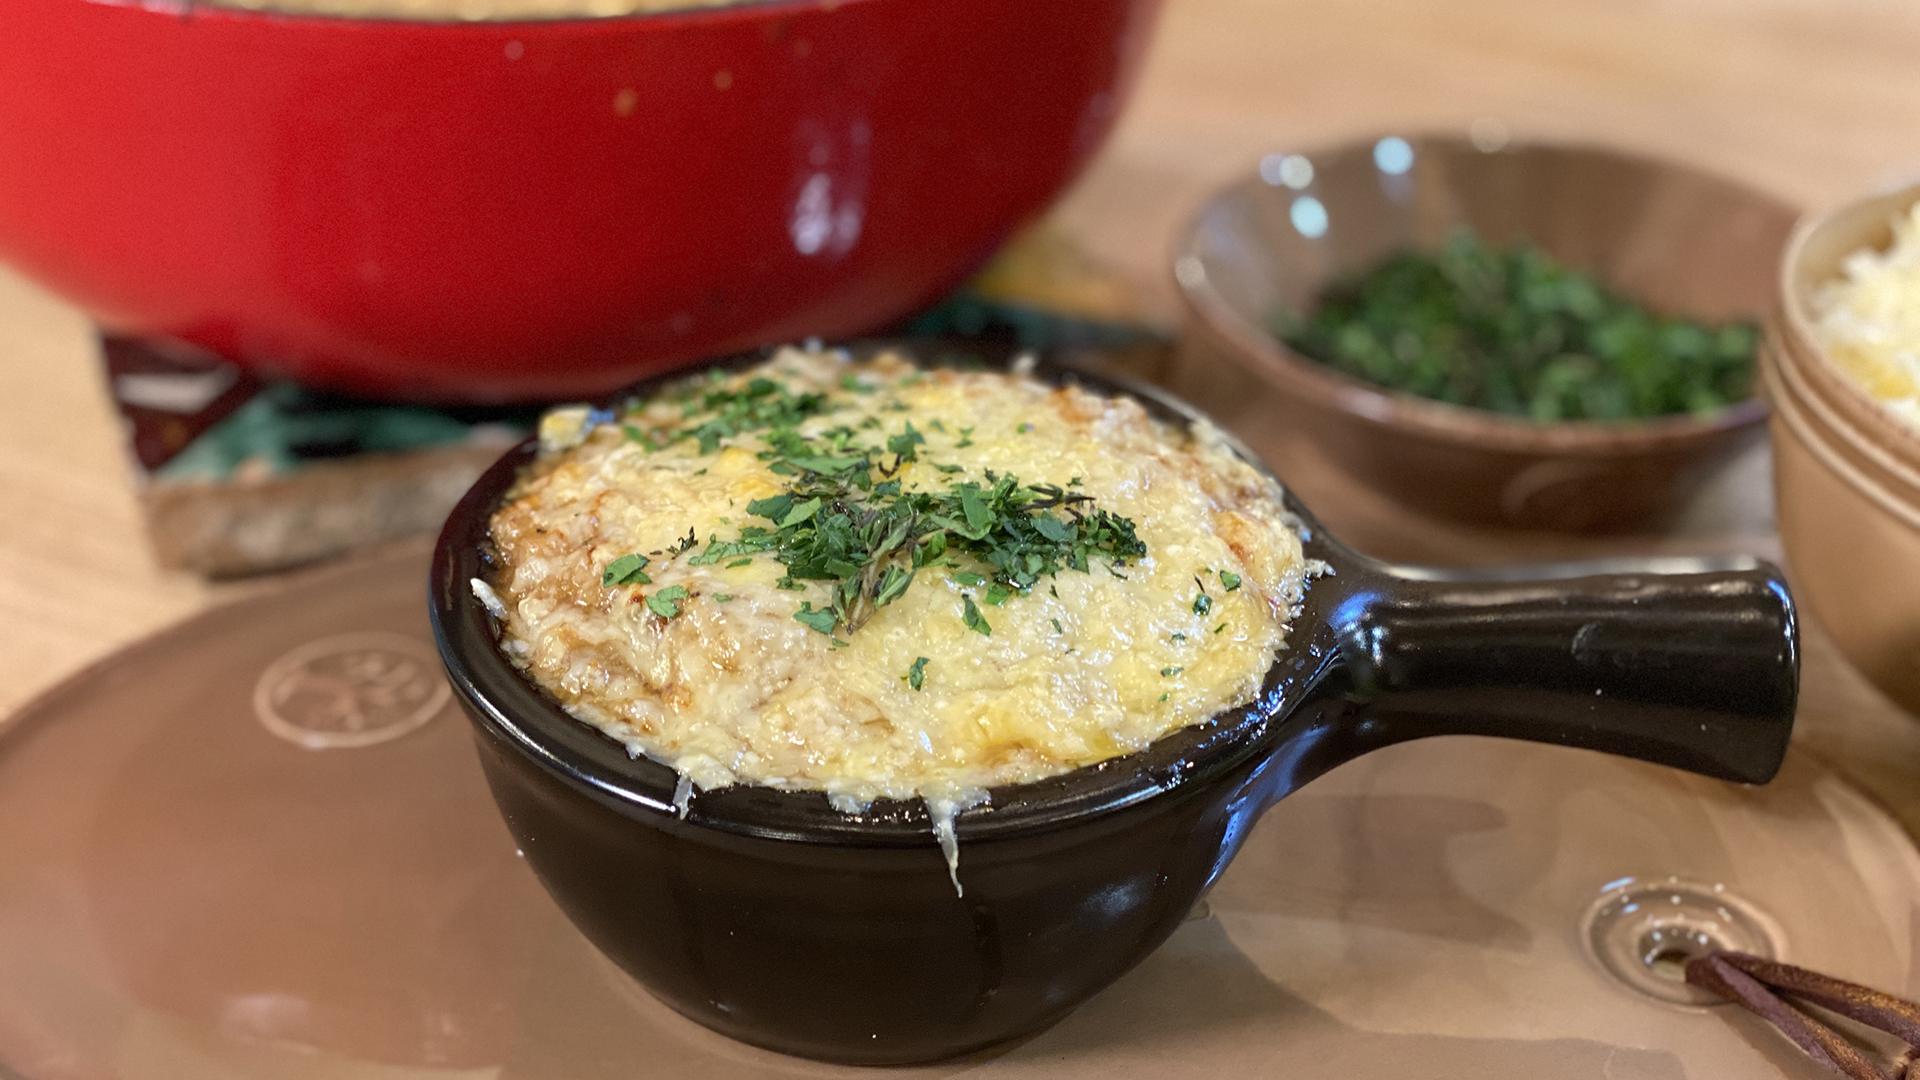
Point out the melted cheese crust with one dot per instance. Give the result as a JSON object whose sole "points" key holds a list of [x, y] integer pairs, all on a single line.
{"points": [[1086, 666]]}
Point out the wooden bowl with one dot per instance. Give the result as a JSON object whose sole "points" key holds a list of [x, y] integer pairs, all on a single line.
{"points": [[1846, 471], [1679, 239]]}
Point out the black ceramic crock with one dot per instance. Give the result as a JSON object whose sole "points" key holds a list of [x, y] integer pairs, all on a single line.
{"points": [[771, 917]]}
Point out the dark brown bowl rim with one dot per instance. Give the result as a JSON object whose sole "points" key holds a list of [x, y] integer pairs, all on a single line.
{"points": [[1438, 420], [508, 707]]}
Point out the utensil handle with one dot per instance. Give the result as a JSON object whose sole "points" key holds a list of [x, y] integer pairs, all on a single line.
{"points": [[1689, 663]]}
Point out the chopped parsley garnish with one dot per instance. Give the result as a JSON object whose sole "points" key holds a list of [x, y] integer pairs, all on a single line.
{"points": [[1170, 672], [820, 620], [1178, 636], [637, 435], [824, 464], [975, 511], [916, 675], [1230, 579], [902, 445], [847, 519], [740, 562], [871, 539], [716, 550], [975, 621], [1219, 628], [1053, 528], [799, 513], [758, 405], [1057, 628], [1506, 328], [666, 602], [721, 598], [892, 584], [1202, 603], [626, 570]]}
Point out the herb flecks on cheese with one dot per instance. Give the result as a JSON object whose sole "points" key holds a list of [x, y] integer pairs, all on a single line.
{"points": [[881, 581]]}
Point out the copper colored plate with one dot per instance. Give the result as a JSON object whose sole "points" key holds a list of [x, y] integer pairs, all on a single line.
{"points": [[258, 846]]}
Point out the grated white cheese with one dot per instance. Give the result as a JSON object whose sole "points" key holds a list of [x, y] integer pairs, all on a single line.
{"points": [[489, 599], [1869, 320]]}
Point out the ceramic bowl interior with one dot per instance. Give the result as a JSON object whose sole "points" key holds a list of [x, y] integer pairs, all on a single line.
{"points": [[1679, 239]]}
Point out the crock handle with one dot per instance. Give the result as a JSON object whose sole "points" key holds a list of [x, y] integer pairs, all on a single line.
{"points": [[1689, 663]]}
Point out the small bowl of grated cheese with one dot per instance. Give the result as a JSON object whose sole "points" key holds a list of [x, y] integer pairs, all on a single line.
{"points": [[1842, 366], [1868, 318]]}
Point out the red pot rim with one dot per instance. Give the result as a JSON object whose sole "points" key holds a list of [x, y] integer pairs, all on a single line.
{"points": [[727, 10]]}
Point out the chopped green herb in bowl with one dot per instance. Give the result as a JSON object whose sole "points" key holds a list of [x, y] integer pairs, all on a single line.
{"points": [[1396, 308], [1512, 331]]}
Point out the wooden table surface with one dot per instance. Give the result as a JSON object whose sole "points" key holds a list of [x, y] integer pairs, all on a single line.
{"points": [[1815, 99]]}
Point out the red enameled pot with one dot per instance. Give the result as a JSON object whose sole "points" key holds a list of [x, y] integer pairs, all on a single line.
{"points": [[535, 209]]}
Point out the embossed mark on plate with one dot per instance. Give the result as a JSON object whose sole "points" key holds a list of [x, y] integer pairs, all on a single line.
{"points": [[350, 690]]}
